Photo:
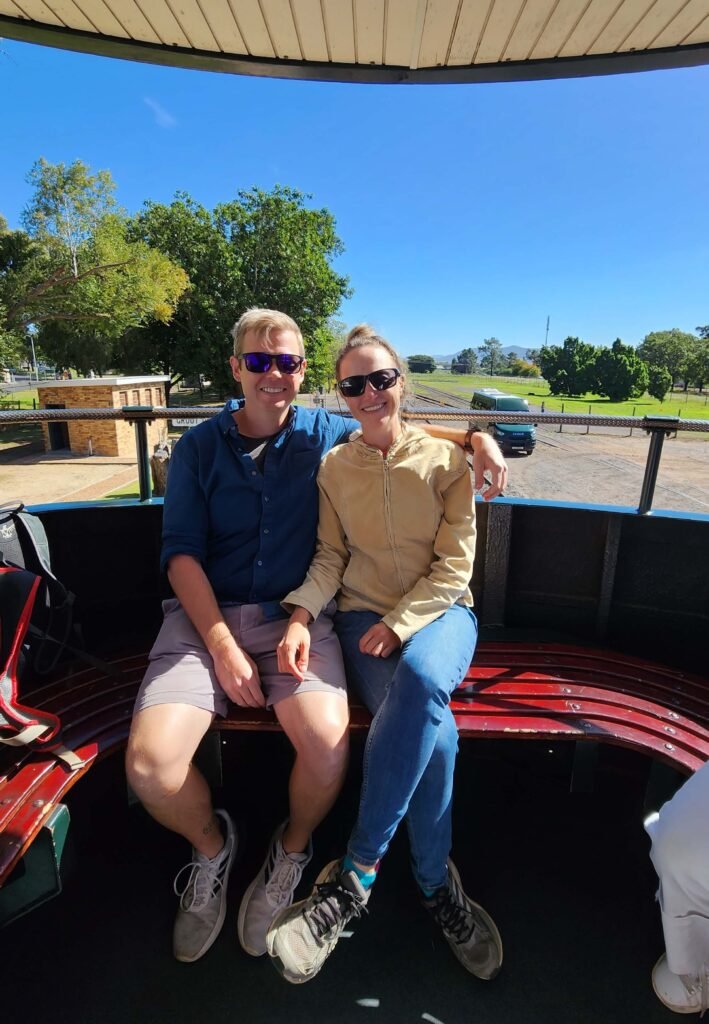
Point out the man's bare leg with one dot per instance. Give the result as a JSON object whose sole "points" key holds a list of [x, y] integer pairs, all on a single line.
{"points": [[317, 725]]}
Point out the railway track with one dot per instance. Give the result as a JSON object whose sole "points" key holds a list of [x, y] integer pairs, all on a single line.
{"points": [[427, 395]]}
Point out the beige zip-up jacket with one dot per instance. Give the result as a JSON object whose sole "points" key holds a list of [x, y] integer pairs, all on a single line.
{"points": [[396, 533]]}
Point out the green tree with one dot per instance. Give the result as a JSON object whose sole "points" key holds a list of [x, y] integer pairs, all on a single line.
{"points": [[260, 249], [659, 382], [671, 349], [421, 364], [465, 361], [521, 368], [532, 355], [76, 267], [491, 356], [620, 373], [568, 369], [697, 370]]}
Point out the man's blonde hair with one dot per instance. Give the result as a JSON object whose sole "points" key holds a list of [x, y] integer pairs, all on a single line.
{"points": [[263, 321]]}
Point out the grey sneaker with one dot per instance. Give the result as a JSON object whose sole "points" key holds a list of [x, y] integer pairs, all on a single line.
{"points": [[272, 890], [302, 937], [203, 898], [468, 929]]}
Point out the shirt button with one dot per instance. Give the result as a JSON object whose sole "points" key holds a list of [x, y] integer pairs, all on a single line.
{"points": [[253, 472], [259, 562], [267, 530], [267, 498]]}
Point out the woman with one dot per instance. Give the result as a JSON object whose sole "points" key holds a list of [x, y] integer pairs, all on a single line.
{"points": [[396, 540]]}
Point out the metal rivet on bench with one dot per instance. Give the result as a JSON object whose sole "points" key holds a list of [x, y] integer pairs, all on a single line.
{"points": [[574, 707], [668, 728], [673, 714], [669, 746], [566, 689], [38, 803]]}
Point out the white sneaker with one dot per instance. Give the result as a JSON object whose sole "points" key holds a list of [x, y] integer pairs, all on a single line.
{"points": [[271, 891], [203, 898], [682, 993]]}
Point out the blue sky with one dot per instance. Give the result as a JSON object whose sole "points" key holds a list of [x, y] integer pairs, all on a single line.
{"points": [[466, 211]]}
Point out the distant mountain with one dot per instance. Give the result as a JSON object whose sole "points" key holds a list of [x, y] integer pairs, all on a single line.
{"points": [[517, 349]]}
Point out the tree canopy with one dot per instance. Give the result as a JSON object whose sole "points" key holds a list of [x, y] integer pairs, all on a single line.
{"points": [[421, 364], [465, 361]]}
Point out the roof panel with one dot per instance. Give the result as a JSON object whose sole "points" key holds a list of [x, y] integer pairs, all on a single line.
{"points": [[100, 15], [403, 33], [700, 34], [281, 29], [688, 22], [35, 10], [592, 23], [164, 22], [471, 22], [135, 23], [71, 15], [310, 27], [369, 31], [438, 30], [498, 31], [655, 21], [560, 26], [194, 24], [532, 22], [253, 28], [223, 26], [339, 30], [625, 20]]}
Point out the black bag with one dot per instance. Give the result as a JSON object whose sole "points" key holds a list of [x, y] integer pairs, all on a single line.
{"points": [[24, 545]]}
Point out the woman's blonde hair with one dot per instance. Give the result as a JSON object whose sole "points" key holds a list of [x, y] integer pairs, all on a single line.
{"points": [[263, 321], [360, 337]]}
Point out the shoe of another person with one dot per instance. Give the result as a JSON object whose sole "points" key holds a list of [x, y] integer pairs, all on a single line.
{"points": [[468, 929], [203, 898], [302, 937], [682, 993], [270, 892]]}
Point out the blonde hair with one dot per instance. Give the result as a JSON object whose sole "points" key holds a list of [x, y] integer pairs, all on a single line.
{"points": [[263, 321], [360, 337]]}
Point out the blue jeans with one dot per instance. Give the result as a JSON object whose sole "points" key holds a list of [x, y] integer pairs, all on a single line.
{"points": [[409, 758]]}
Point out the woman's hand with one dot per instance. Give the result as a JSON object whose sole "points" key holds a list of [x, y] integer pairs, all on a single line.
{"points": [[294, 649], [487, 457], [379, 641]]}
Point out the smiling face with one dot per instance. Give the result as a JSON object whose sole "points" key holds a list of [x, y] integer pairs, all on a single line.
{"points": [[375, 410], [272, 390]]}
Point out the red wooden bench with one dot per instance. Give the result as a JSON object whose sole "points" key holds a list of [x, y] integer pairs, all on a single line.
{"points": [[512, 690]]}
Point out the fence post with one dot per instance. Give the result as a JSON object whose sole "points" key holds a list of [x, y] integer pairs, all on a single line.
{"points": [[588, 425], [561, 425], [631, 429]]}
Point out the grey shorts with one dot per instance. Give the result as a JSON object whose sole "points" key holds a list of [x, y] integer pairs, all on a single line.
{"points": [[181, 670]]}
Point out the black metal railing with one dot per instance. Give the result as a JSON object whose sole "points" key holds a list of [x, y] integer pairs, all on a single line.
{"points": [[657, 427]]}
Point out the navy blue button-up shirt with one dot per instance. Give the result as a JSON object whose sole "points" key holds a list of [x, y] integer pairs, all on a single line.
{"points": [[253, 533]]}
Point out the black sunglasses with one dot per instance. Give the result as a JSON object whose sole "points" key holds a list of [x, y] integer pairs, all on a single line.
{"points": [[381, 380], [261, 362]]}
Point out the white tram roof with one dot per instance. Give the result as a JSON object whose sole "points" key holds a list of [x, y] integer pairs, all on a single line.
{"points": [[376, 40]]}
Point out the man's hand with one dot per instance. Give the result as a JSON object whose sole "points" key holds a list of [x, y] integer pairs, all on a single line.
{"points": [[487, 457], [294, 649], [379, 641], [237, 674]]}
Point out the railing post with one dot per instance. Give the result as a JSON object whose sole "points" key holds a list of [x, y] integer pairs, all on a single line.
{"points": [[139, 416], [658, 427]]}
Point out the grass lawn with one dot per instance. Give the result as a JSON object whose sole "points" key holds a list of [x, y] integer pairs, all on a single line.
{"points": [[688, 406], [127, 491]]}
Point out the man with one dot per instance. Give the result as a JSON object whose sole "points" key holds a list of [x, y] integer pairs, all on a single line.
{"points": [[239, 530]]}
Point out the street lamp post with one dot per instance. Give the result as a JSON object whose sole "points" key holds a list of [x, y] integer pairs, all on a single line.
{"points": [[34, 359]]}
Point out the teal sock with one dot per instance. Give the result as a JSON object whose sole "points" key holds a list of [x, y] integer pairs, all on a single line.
{"points": [[366, 878]]}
